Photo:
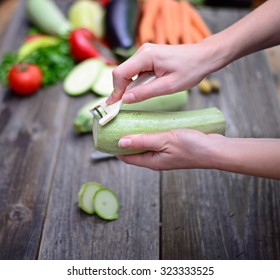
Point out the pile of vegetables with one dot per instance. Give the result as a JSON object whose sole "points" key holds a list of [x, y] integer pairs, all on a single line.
{"points": [[107, 30], [171, 22], [83, 47]]}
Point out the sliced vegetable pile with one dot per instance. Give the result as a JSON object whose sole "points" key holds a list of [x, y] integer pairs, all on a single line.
{"points": [[93, 198]]}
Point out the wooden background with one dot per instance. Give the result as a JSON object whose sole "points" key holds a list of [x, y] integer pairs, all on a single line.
{"points": [[182, 214]]}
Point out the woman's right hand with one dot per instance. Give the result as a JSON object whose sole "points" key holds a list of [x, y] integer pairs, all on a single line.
{"points": [[177, 68]]}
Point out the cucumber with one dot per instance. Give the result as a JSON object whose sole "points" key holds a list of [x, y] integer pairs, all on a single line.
{"points": [[106, 137], [47, 16], [106, 204], [85, 196], [82, 77], [172, 102], [103, 86]]}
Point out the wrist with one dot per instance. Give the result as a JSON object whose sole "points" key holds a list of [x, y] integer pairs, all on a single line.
{"points": [[215, 153], [218, 51]]}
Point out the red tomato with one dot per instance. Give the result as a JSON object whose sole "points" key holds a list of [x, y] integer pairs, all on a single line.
{"points": [[25, 79]]}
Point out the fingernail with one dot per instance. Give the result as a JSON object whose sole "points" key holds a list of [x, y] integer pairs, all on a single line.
{"points": [[129, 97], [124, 143]]}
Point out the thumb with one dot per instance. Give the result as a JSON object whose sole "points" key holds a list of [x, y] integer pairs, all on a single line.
{"points": [[145, 142]]}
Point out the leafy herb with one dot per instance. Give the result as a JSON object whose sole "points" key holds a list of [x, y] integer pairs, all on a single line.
{"points": [[9, 60], [55, 63]]}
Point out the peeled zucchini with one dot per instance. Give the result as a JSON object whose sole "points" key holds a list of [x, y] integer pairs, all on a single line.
{"points": [[106, 137]]}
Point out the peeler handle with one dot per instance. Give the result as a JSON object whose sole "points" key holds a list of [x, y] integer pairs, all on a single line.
{"points": [[142, 79]]}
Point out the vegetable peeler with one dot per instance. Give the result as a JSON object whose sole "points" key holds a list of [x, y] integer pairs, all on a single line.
{"points": [[104, 113]]}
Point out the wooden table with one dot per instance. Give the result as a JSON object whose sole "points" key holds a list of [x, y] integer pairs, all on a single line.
{"points": [[182, 214]]}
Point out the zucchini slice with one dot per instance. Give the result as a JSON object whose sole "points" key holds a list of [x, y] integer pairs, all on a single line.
{"points": [[85, 196], [106, 204], [103, 86], [83, 76]]}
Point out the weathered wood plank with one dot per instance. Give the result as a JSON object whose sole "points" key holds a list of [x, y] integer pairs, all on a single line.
{"points": [[30, 138], [7, 8], [208, 214], [36, 132], [71, 234], [273, 59]]}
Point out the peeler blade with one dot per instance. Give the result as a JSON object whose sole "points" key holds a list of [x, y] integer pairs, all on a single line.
{"points": [[104, 113]]}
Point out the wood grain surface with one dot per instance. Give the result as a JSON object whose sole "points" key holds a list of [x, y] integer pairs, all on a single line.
{"points": [[181, 214]]}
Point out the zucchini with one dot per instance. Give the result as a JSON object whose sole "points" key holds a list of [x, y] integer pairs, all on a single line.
{"points": [[106, 138], [46, 15], [93, 198], [170, 102], [106, 204], [173, 102], [82, 76], [85, 196], [104, 84], [83, 120]]}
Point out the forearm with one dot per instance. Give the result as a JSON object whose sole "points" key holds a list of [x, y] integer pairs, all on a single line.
{"points": [[257, 157], [256, 31]]}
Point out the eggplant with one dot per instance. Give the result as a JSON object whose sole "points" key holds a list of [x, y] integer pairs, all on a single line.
{"points": [[121, 20]]}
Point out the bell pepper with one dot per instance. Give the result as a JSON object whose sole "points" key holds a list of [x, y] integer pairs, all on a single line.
{"points": [[84, 45]]}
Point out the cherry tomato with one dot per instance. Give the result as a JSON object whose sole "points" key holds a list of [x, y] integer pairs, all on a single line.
{"points": [[25, 79]]}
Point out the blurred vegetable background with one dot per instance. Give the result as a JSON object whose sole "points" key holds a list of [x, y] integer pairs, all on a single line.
{"points": [[109, 30], [81, 46]]}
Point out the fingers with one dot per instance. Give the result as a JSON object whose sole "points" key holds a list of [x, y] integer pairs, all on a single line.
{"points": [[148, 160], [146, 142], [141, 61], [160, 86], [155, 143]]}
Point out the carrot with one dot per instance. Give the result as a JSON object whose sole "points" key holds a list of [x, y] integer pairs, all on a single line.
{"points": [[160, 34], [195, 35], [146, 28], [168, 21], [185, 26], [198, 21], [176, 19]]}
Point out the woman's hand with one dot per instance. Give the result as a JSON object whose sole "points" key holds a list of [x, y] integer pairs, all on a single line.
{"points": [[189, 149], [177, 68], [175, 149]]}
